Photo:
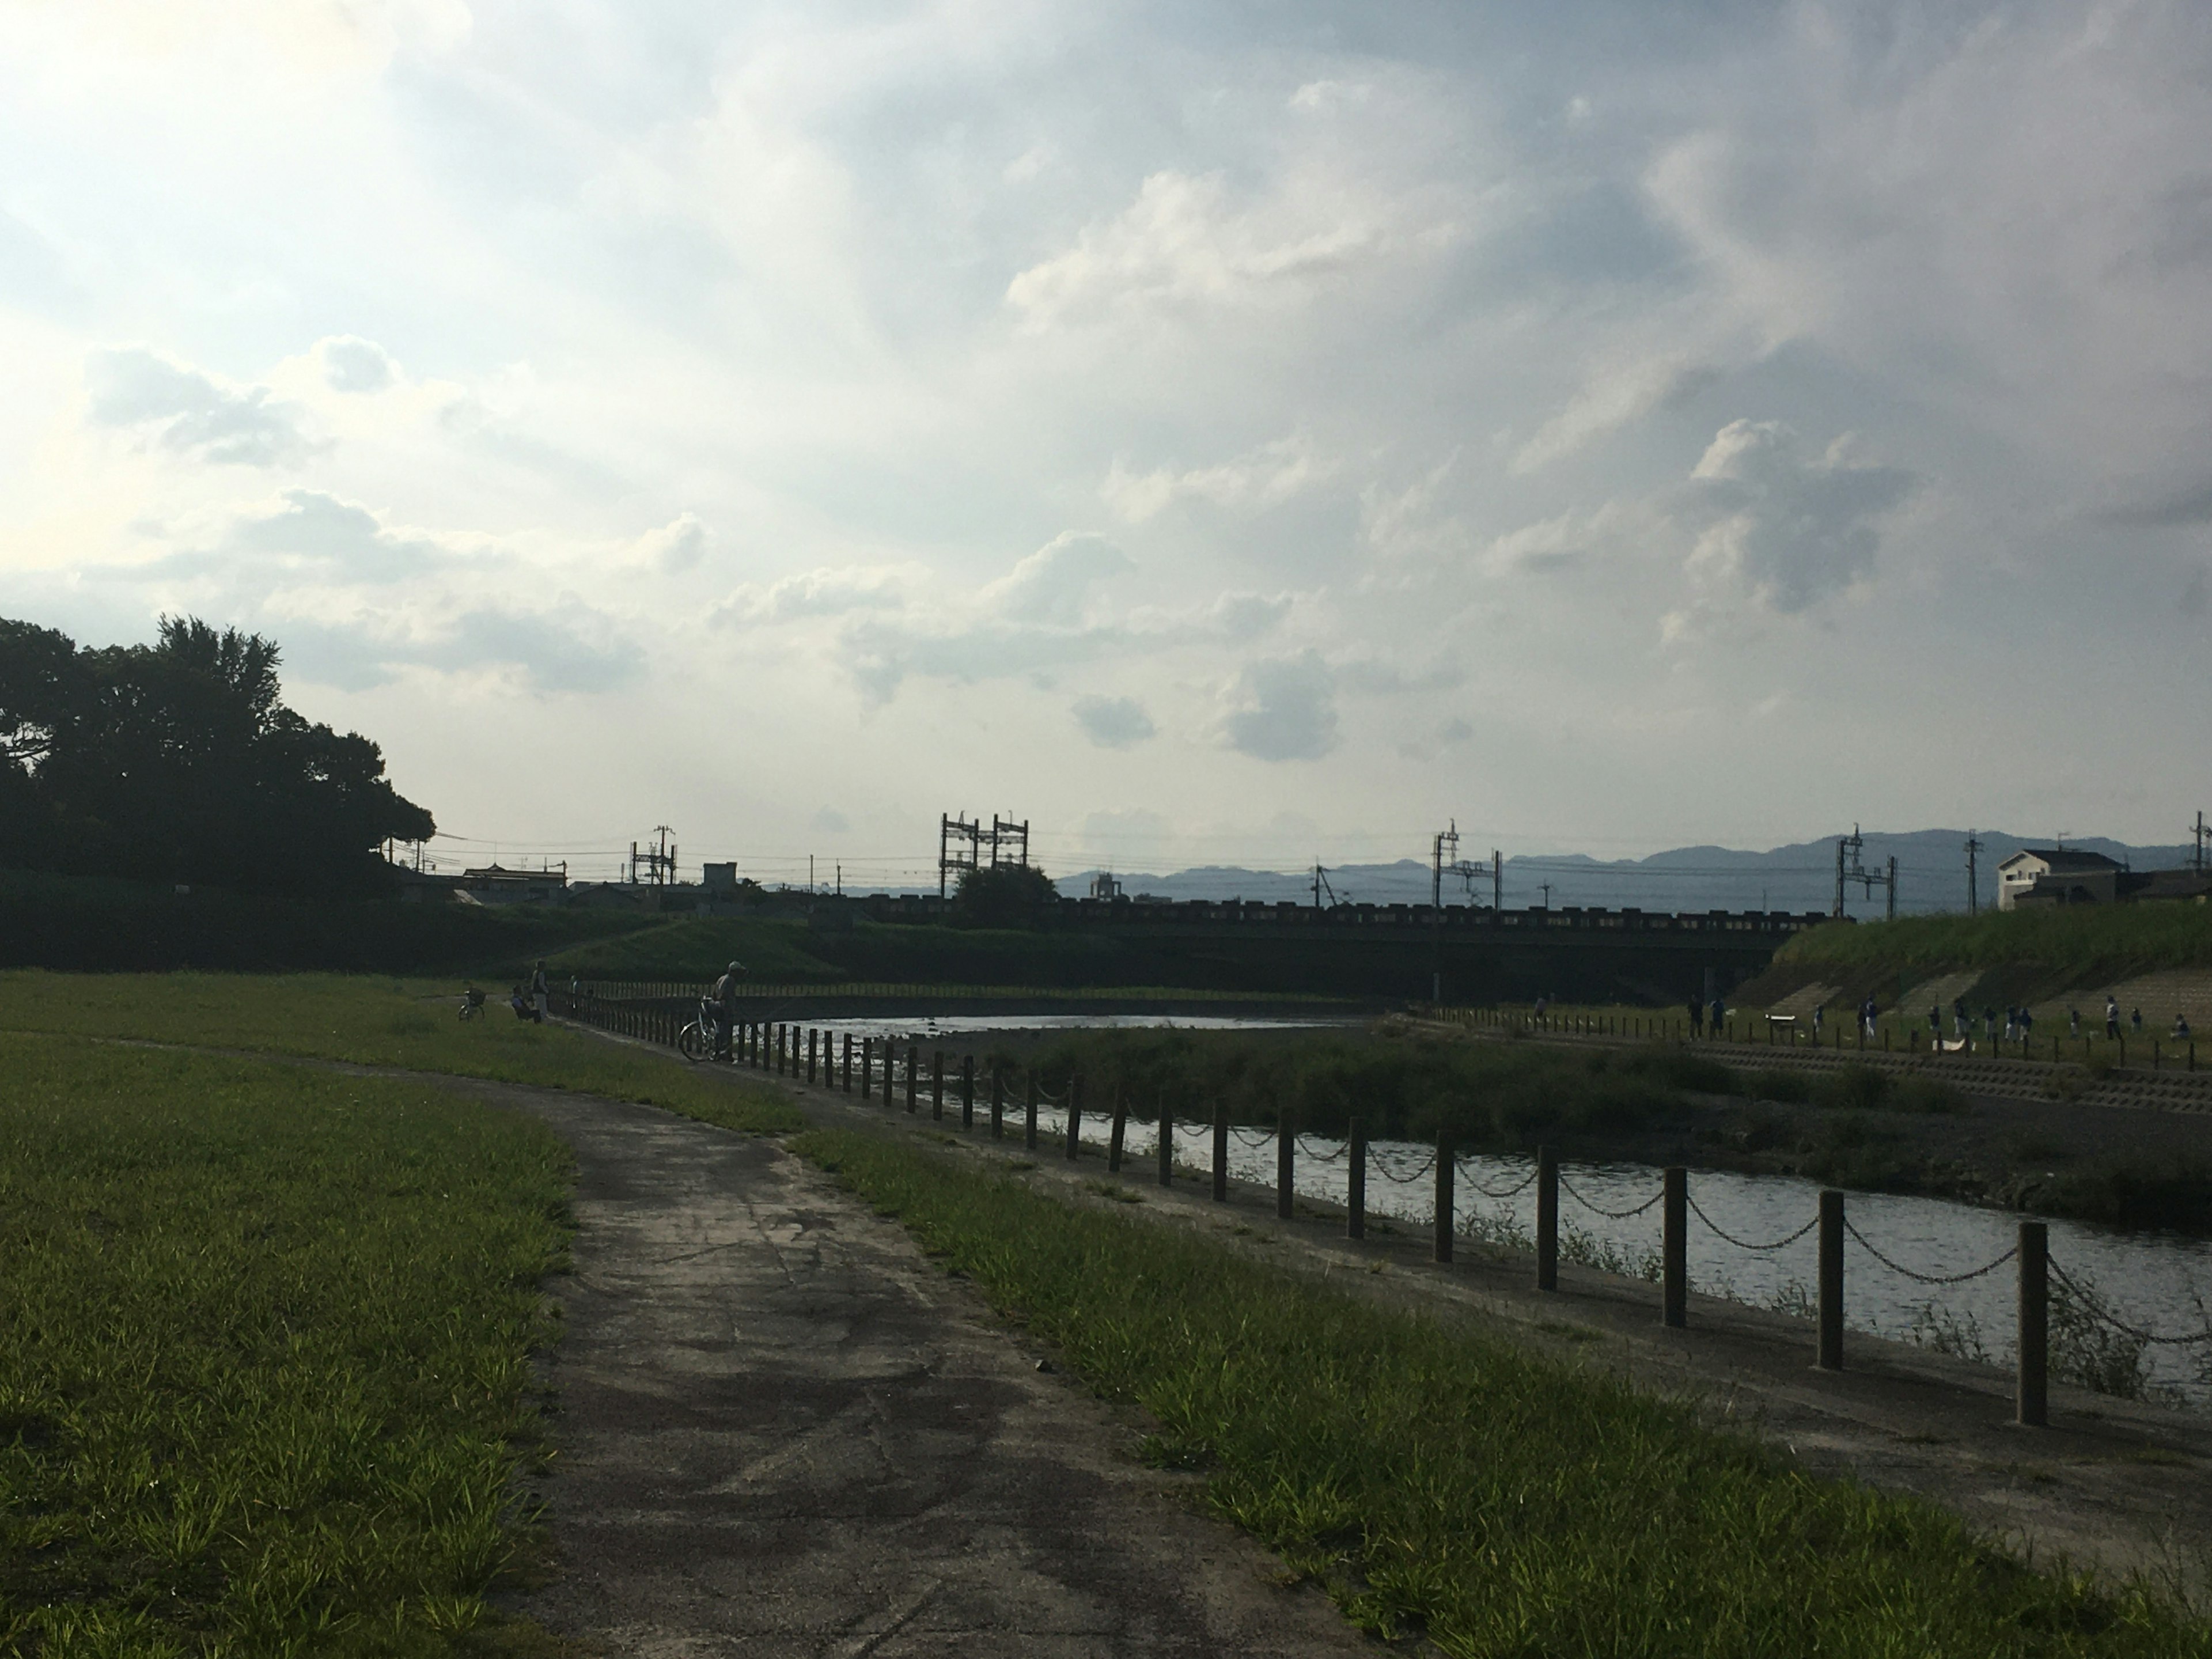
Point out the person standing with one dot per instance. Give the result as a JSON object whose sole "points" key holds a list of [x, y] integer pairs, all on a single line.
{"points": [[1959, 1015], [538, 993], [2112, 1017], [1697, 1018], [722, 998]]}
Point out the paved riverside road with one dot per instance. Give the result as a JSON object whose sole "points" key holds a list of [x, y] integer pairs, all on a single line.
{"points": [[781, 1431]]}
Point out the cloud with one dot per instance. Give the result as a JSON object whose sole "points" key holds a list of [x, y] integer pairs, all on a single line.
{"points": [[1282, 709], [829, 821], [1610, 402], [1266, 477], [676, 546], [1114, 722], [353, 365], [1364, 671], [185, 411], [1182, 241], [1053, 585], [1781, 528], [572, 648], [813, 593]]}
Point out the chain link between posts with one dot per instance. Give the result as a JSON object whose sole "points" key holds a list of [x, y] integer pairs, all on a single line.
{"points": [[1427, 1165], [1610, 1215], [1520, 1186], [1928, 1278], [1745, 1243], [2099, 1311]]}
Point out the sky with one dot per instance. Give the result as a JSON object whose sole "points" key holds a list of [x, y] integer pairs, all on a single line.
{"points": [[1223, 433]]}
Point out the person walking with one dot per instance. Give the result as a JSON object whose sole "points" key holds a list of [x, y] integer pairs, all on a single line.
{"points": [[1697, 1018], [1869, 1013], [2073, 1021], [1715, 1015], [2112, 1017], [2134, 1020], [1959, 1015]]}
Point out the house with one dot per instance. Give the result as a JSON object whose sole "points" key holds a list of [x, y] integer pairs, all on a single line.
{"points": [[492, 884], [2057, 875]]}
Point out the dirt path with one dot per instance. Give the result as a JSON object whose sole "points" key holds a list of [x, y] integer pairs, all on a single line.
{"points": [[782, 1433]]}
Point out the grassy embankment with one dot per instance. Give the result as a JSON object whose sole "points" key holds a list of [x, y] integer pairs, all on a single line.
{"points": [[1867, 1129], [2027, 956], [1436, 1478], [373, 1022], [264, 1339]]}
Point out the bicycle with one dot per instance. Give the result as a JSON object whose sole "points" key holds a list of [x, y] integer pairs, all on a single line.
{"points": [[701, 1039], [471, 1005]]}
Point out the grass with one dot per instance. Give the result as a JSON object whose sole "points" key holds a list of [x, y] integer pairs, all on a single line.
{"points": [[1438, 1480], [265, 1339], [2085, 943], [374, 1022]]}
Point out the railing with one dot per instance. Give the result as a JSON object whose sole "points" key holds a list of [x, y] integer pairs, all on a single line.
{"points": [[816, 1057]]}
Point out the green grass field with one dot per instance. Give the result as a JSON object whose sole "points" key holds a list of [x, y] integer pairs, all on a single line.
{"points": [[2084, 943], [265, 1339], [373, 1022], [1440, 1480]]}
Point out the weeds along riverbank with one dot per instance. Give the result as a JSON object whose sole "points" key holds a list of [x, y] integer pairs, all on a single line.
{"points": [[264, 1341], [1439, 1480], [1852, 1126]]}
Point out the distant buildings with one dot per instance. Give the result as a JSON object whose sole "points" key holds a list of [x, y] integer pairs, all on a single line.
{"points": [[2038, 876]]}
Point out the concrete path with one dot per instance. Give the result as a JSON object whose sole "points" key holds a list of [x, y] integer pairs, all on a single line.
{"points": [[782, 1433]]}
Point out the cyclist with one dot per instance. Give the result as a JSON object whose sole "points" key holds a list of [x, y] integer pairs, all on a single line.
{"points": [[718, 999]]}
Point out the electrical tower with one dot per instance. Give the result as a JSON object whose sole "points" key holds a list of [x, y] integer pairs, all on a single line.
{"points": [[656, 858], [961, 840], [1974, 880], [1848, 867], [1321, 885], [1444, 860]]}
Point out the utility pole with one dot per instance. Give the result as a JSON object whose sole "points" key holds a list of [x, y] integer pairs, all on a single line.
{"points": [[1444, 838], [1973, 883], [2197, 861], [1893, 887], [1546, 886], [810, 872], [1497, 885]]}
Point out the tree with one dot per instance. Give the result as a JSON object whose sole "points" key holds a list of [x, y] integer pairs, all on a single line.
{"points": [[1005, 896], [178, 760]]}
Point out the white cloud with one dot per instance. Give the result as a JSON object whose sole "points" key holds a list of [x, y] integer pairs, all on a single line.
{"points": [[1609, 402], [1114, 722], [1264, 478], [1281, 708], [351, 364], [674, 548], [1781, 528], [813, 595], [188, 413], [1182, 241], [1054, 585]]}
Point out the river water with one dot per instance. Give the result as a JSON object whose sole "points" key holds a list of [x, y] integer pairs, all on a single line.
{"points": [[2157, 1282]]}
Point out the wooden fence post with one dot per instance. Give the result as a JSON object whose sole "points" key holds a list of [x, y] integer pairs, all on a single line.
{"points": [[968, 1091], [1674, 1246], [937, 1085], [1113, 1140], [1830, 1289], [1221, 1154], [913, 1079], [1446, 1169], [1074, 1117], [2032, 1396], [868, 1065], [1355, 1181], [1030, 1113], [997, 1102], [1548, 1219], [1166, 1150], [813, 1045], [1286, 1171]]}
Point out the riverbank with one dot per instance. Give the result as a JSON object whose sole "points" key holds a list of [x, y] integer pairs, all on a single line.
{"points": [[2119, 1486], [1743, 1110]]}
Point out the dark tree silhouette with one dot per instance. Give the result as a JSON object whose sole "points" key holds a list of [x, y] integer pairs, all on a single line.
{"points": [[1006, 896], [178, 761]]}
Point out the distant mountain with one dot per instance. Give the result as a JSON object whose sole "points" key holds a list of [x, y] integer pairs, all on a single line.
{"points": [[1931, 875]]}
